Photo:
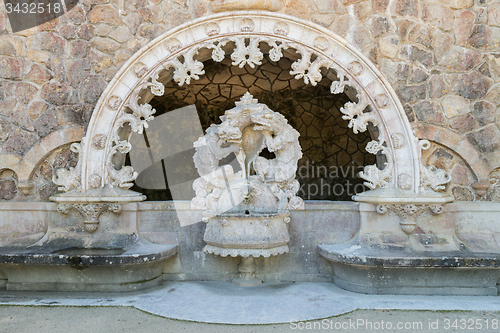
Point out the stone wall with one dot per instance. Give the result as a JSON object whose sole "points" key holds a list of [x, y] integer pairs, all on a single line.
{"points": [[442, 58]]}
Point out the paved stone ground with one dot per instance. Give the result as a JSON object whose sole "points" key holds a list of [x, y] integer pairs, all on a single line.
{"points": [[54, 319]]}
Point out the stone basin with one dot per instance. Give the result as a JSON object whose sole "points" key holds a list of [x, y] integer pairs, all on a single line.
{"points": [[45, 268], [255, 234]]}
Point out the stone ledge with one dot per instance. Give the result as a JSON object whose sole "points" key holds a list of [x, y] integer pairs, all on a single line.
{"points": [[138, 253], [398, 270], [46, 268]]}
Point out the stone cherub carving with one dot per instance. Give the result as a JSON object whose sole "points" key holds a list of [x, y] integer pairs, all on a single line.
{"points": [[245, 131]]}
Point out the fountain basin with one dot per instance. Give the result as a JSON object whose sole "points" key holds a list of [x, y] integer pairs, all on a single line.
{"points": [[253, 234], [134, 267]]}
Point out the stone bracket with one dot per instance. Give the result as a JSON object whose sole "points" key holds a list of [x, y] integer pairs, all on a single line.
{"points": [[90, 212], [409, 213]]}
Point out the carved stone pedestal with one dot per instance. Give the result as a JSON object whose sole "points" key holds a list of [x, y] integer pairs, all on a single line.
{"points": [[247, 278]]}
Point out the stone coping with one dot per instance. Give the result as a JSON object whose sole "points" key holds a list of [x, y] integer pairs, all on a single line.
{"points": [[400, 257], [138, 253]]}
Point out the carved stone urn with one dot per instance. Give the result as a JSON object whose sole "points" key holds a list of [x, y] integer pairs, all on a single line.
{"points": [[246, 202]]}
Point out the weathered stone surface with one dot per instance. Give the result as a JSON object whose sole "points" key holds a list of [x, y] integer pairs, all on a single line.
{"points": [[463, 194], [464, 124], [5, 128], [418, 75], [105, 14], [482, 15], [69, 115], [455, 106], [437, 15], [487, 139], [38, 56], [21, 118], [414, 53], [404, 25], [46, 122], [76, 15], [10, 68], [494, 14], [12, 45], [25, 92], [86, 31], [57, 65], [329, 7], [36, 108], [342, 24], [493, 95], [429, 112], [38, 74], [79, 48], [421, 34], [121, 34], [471, 85], [459, 4], [378, 25], [120, 57], [324, 20], [45, 171], [394, 71], [437, 86], [103, 30], [441, 43], [151, 14], [57, 93], [388, 46], [133, 21], [361, 10], [200, 7], [464, 21], [105, 45], [68, 31], [78, 70], [147, 30], [65, 159], [380, 5], [360, 36], [7, 106], [485, 38], [20, 141], [459, 174], [410, 93], [49, 41], [99, 61], [8, 189], [407, 8], [176, 17], [92, 88], [484, 112], [47, 190], [460, 59]]}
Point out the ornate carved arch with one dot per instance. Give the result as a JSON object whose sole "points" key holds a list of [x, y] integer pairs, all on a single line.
{"points": [[244, 36]]}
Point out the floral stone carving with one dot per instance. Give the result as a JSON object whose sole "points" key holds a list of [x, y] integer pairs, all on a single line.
{"points": [[247, 201]]}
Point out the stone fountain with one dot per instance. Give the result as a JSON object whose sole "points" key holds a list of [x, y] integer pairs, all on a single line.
{"points": [[246, 202]]}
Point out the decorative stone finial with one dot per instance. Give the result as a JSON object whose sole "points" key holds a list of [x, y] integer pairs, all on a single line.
{"points": [[228, 5], [247, 99]]}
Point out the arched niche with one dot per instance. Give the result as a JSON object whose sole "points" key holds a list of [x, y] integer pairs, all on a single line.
{"points": [[244, 37]]}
